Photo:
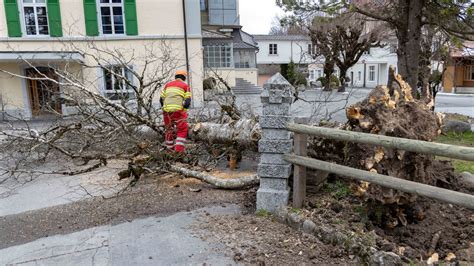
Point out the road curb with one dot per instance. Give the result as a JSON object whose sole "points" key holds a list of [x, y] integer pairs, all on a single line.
{"points": [[362, 247], [454, 94]]}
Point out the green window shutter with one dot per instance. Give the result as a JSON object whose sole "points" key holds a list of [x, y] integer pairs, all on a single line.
{"points": [[54, 18], [13, 18], [131, 24], [90, 14]]}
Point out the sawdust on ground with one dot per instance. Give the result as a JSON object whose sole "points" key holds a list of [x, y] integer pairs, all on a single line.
{"points": [[252, 239]]}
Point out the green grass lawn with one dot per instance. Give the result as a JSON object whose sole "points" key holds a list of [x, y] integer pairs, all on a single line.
{"points": [[464, 139]]}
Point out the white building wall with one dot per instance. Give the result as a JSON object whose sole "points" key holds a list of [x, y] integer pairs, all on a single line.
{"points": [[286, 51], [377, 63]]}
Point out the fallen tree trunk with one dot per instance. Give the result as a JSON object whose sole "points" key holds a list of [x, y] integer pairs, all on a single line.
{"points": [[234, 183], [243, 132]]}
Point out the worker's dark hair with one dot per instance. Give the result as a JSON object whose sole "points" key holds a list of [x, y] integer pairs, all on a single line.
{"points": [[181, 77]]}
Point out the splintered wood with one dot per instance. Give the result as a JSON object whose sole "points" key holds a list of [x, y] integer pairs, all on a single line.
{"points": [[392, 111]]}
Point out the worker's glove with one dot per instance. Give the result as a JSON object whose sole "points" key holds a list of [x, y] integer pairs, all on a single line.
{"points": [[187, 103]]}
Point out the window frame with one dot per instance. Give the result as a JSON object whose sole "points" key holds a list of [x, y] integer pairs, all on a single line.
{"points": [[243, 55], [99, 17], [468, 75], [217, 61], [125, 88], [371, 71], [275, 49], [34, 5]]}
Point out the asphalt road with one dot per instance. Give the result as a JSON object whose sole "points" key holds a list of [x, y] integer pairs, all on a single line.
{"points": [[319, 104], [455, 104]]}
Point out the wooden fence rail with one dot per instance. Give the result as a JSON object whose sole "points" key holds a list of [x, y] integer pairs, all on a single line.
{"points": [[451, 151], [442, 194], [300, 161]]}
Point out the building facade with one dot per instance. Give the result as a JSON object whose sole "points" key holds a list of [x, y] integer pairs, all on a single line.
{"points": [[370, 71], [48, 34], [459, 74], [229, 52], [277, 50]]}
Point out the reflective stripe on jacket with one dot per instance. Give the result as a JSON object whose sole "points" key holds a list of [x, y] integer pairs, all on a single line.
{"points": [[174, 94]]}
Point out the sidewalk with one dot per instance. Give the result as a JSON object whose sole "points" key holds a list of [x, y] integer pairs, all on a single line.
{"points": [[149, 241], [451, 94]]}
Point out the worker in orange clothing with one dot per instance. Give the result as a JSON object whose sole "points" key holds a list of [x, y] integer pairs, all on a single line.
{"points": [[175, 99]]}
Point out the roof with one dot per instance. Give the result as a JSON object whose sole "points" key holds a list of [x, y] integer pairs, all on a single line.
{"points": [[207, 34], [467, 50], [243, 40], [239, 39], [281, 38], [248, 38]]}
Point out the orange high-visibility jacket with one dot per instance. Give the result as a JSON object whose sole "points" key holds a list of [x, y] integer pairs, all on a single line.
{"points": [[174, 95]]}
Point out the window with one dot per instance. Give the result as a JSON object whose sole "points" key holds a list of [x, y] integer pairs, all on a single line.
{"points": [[320, 73], [312, 74], [469, 73], [223, 12], [203, 5], [367, 52], [111, 16], [359, 75], [272, 49], [218, 56], [118, 83], [244, 59], [371, 73], [311, 49], [36, 18]]}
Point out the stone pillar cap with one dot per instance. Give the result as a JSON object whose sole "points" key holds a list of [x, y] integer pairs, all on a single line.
{"points": [[276, 79]]}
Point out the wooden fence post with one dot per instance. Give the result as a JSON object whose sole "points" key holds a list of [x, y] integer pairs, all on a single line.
{"points": [[299, 171]]}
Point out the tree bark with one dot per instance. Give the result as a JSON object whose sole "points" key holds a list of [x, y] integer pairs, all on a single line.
{"points": [[244, 132], [233, 183], [342, 79], [328, 70], [408, 31]]}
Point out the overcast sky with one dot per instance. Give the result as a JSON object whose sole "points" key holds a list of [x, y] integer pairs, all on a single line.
{"points": [[256, 15]]}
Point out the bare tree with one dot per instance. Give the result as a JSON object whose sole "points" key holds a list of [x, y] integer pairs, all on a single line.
{"points": [[97, 124], [408, 19], [122, 120]]}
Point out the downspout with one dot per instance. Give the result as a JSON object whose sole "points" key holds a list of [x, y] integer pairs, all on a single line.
{"points": [[365, 67], [291, 48], [186, 41], [378, 74]]}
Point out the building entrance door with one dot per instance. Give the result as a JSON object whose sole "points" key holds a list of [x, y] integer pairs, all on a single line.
{"points": [[44, 94]]}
